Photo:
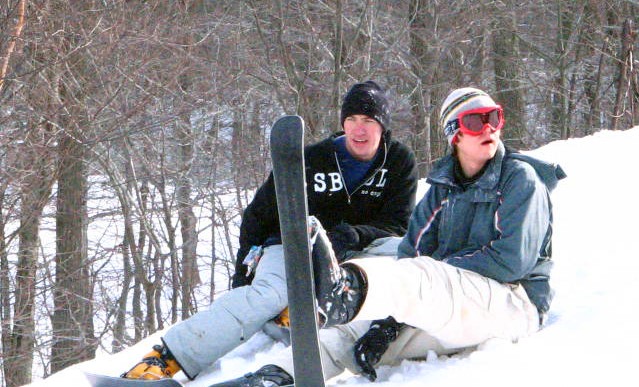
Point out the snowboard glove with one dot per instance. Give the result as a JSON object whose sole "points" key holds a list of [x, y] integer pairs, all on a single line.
{"points": [[267, 376], [239, 280], [250, 261], [340, 290], [370, 348], [157, 364], [345, 240]]}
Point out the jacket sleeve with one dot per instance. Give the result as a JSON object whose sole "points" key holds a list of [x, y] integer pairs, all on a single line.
{"points": [[522, 221], [392, 219], [421, 238], [259, 221]]}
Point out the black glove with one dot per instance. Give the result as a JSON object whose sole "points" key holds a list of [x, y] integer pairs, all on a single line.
{"points": [[245, 278], [370, 348], [344, 239], [239, 280]]}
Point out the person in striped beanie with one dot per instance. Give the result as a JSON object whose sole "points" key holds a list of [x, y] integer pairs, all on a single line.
{"points": [[464, 100]]}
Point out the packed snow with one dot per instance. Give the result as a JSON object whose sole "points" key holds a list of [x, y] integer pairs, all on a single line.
{"points": [[590, 337]]}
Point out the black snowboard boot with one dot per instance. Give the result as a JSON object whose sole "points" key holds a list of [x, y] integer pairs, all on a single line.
{"points": [[340, 290], [267, 376]]}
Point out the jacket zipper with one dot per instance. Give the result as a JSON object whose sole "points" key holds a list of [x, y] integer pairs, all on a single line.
{"points": [[339, 169]]}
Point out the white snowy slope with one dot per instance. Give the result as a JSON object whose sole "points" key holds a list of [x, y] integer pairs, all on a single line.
{"points": [[591, 337]]}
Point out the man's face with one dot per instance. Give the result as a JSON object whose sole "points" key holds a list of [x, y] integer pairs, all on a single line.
{"points": [[479, 148], [363, 136]]}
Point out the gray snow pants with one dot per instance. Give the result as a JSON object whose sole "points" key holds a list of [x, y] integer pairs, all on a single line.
{"points": [[199, 341]]}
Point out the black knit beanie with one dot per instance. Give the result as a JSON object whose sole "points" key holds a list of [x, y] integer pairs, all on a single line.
{"points": [[369, 99]]}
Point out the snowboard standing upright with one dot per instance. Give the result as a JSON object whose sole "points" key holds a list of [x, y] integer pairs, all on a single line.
{"points": [[287, 154]]}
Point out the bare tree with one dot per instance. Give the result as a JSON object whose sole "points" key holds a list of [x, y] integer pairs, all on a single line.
{"points": [[594, 61], [72, 320], [507, 65], [626, 72], [420, 17], [18, 13], [19, 341]]}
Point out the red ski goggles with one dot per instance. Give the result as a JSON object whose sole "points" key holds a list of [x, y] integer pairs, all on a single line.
{"points": [[473, 122]]}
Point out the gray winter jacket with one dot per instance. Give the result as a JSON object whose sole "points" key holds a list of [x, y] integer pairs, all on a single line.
{"points": [[499, 227]]}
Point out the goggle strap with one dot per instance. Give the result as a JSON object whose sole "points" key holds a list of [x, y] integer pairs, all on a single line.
{"points": [[451, 127]]}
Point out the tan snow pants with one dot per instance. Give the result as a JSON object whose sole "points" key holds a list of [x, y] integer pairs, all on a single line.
{"points": [[448, 309]]}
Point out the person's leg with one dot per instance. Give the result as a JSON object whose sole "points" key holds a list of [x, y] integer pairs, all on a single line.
{"points": [[199, 341], [337, 343], [458, 307], [413, 343], [277, 332], [336, 346]]}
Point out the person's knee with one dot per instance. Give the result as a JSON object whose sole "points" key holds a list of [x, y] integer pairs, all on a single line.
{"points": [[336, 344], [270, 295], [338, 341]]}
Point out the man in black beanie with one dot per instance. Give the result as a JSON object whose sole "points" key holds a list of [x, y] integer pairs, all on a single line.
{"points": [[369, 99], [361, 186]]}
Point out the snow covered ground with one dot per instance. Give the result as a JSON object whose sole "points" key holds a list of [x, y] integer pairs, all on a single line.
{"points": [[591, 336]]}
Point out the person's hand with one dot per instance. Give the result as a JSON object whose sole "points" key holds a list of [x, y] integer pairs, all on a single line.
{"points": [[344, 238], [239, 280], [370, 348]]}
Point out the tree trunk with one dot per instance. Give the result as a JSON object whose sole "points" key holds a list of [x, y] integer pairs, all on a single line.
{"points": [[35, 193], [508, 80], [624, 74], [338, 52], [594, 65], [5, 281], [171, 245], [419, 20], [72, 322], [212, 145], [5, 54], [188, 222], [20, 350], [119, 325]]}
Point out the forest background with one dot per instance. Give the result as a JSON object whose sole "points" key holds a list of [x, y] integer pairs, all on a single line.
{"points": [[134, 133]]}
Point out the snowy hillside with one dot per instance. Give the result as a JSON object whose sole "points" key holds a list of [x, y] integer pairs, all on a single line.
{"points": [[591, 337]]}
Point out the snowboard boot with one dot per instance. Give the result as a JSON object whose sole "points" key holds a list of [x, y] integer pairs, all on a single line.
{"points": [[157, 364], [340, 290], [267, 376]]}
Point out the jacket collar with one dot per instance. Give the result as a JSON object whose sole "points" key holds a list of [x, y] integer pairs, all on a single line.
{"points": [[443, 172], [380, 157]]}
